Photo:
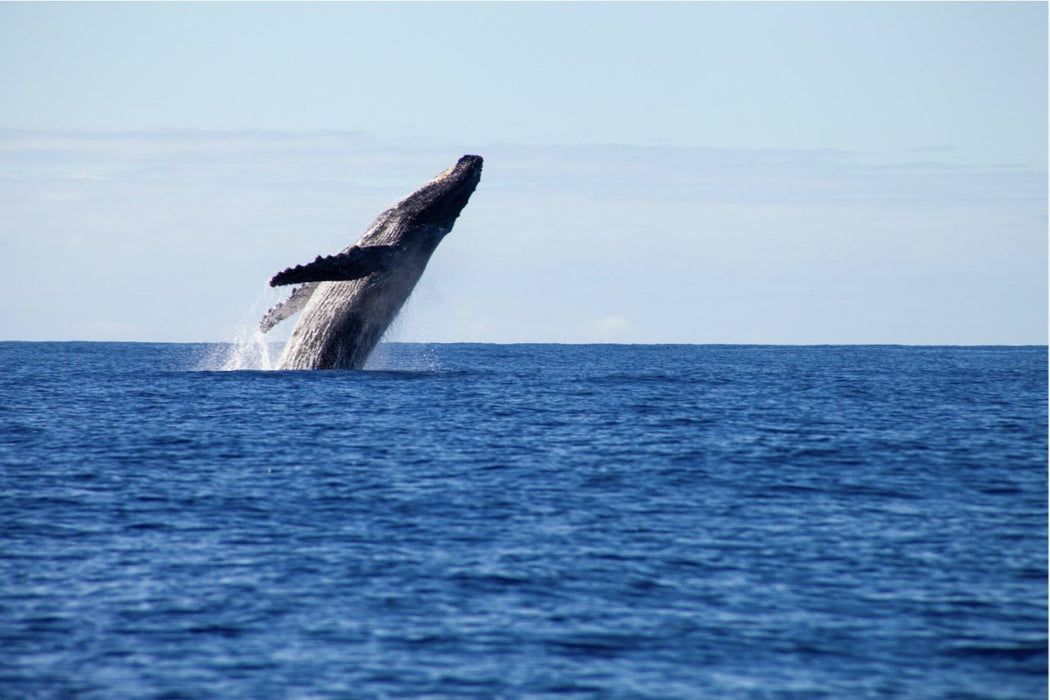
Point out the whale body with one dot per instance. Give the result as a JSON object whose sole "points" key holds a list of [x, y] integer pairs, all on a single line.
{"points": [[349, 299]]}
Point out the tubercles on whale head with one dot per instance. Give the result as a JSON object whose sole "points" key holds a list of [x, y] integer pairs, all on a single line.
{"points": [[465, 164], [442, 199]]}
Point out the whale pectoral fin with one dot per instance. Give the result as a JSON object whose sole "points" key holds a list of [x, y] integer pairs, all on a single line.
{"points": [[351, 265], [291, 305]]}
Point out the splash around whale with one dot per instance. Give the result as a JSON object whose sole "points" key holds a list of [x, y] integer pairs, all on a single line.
{"points": [[349, 299]]}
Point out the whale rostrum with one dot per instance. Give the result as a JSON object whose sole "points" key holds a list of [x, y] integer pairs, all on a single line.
{"points": [[349, 299]]}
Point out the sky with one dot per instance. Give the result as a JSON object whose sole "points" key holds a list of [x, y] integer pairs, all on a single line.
{"points": [[654, 172]]}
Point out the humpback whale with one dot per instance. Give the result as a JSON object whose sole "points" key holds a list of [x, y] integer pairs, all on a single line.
{"points": [[350, 298]]}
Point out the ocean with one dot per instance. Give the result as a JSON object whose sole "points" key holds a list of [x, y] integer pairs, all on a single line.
{"points": [[502, 521]]}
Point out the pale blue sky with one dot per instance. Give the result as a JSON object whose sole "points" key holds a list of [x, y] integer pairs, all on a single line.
{"points": [[685, 172]]}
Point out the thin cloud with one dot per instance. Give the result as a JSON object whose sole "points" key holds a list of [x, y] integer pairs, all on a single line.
{"points": [[179, 229]]}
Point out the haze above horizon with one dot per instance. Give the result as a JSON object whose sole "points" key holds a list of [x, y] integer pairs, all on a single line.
{"points": [[679, 172]]}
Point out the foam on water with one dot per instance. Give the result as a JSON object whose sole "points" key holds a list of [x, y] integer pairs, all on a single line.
{"points": [[250, 353], [403, 357], [251, 349]]}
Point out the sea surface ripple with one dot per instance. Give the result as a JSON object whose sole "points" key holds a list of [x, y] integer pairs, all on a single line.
{"points": [[526, 520]]}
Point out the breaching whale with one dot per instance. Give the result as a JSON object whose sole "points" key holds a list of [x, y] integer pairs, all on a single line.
{"points": [[349, 299]]}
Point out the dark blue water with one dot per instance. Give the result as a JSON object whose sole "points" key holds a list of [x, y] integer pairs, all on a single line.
{"points": [[505, 521]]}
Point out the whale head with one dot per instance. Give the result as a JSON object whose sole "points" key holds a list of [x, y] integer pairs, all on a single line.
{"points": [[439, 202], [415, 225]]}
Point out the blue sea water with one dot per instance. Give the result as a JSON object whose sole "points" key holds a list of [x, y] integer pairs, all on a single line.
{"points": [[525, 521]]}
